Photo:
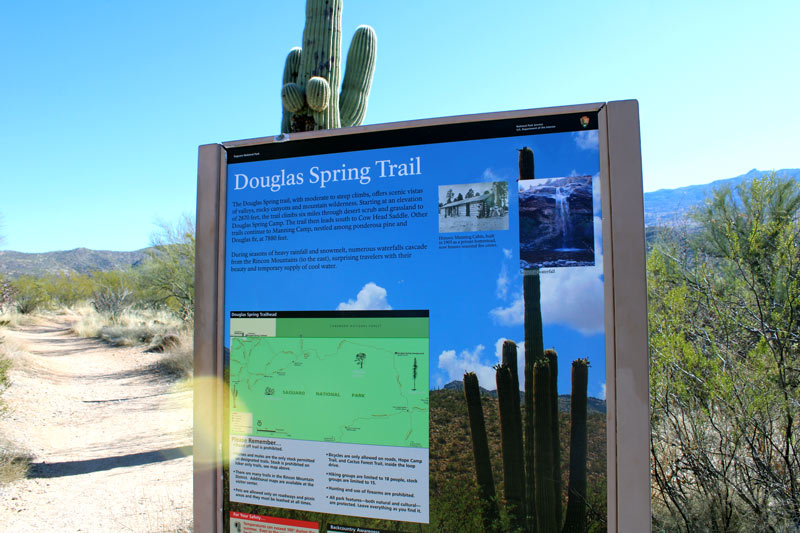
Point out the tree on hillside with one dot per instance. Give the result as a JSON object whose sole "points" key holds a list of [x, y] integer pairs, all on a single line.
{"points": [[167, 275], [724, 317]]}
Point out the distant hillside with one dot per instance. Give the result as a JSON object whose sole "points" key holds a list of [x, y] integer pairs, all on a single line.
{"points": [[593, 405], [80, 260], [668, 206]]}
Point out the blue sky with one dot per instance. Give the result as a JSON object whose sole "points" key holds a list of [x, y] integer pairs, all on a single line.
{"points": [[474, 295], [105, 103]]}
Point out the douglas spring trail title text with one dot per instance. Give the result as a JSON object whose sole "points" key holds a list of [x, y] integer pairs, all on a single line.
{"points": [[385, 168]]}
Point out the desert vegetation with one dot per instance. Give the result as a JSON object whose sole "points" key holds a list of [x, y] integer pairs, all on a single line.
{"points": [[14, 461], [102, 357], [724, 319], [150, 304]]}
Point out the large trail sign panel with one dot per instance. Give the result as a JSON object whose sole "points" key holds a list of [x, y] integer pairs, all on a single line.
{"points": [[363, 273]]}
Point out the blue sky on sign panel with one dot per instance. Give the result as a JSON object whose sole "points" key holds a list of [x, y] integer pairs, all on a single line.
{"points": [[474, 295], [105, 103]]}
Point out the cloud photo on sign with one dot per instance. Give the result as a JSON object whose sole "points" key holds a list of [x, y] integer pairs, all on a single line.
{"points": [[556, 227]]}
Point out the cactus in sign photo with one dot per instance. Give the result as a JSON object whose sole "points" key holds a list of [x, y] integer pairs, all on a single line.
{"points": [[480, 451], [575, 521], [511, 435], [530, 445], [310, 93]]}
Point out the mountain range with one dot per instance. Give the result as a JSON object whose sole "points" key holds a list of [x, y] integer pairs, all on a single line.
{"points": [[664, 207], [80, 260], [667, 207], [593, 405]]}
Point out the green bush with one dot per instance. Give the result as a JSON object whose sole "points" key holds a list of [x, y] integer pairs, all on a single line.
{"points": [[30, 294], [166, 279], [724, 321], [67, 290]]}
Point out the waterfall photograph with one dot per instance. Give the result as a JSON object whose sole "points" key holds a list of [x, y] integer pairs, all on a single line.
{"points": [[556, 222]]}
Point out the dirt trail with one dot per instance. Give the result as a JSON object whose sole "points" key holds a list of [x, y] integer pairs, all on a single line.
{"points": [[111, 441]]}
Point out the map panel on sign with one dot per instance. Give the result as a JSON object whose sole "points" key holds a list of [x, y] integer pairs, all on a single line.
{"points": [[360, 390]]}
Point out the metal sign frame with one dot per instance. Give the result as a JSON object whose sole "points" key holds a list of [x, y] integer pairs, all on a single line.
{"points": [[628, 462]]}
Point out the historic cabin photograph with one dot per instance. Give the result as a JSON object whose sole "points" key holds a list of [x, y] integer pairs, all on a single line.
{"points": [[556, 222], [473, 207]]}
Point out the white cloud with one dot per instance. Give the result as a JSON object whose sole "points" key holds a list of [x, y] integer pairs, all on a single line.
{"points": [[456, 364], [603, 391], [489, 175], [586, 140], [502, 283], [513, 315], [573, 297], [371, 297]]}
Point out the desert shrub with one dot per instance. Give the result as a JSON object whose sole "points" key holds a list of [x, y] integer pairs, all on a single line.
{"points": [[5, 366], [87, 322], [30, 294], [724, 319], [112, 295], [178, 359], [67, 290], [6, 295], [112, 301], [134, 327], [14, 462], [167, 277]]}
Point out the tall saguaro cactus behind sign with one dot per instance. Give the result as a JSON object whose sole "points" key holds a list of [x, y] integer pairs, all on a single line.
{"points": [[310, 93]]}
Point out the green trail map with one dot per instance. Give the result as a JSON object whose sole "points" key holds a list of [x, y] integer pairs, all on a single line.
{"points": [[331, 378]]}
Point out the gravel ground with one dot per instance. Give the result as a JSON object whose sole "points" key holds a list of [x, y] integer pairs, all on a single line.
{"points": [[111, 441]]}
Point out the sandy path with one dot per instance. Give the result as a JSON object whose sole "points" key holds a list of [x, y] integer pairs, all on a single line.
{"points": [[111, 442]]}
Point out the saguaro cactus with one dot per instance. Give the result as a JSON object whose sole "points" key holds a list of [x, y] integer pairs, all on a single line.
{"points": [[546, 519], [526, 163], [533, 352], [539, 460], [511, 436], [552, 358], [575, 522], [480, 451], [310, 92]]}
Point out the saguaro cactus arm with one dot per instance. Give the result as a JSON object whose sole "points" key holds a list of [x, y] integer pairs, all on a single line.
{"points": [[358, 76], [292, 95]]}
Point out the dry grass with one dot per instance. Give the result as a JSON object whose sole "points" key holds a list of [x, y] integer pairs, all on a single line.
{"points": [[10, 353], [14, 462], [133, 328], [13, 319], [158, 331], [178, 360]]}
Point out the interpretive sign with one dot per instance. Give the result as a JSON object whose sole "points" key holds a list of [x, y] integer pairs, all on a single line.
{"points": [[407, 313]]}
